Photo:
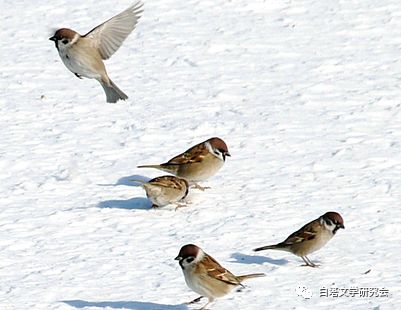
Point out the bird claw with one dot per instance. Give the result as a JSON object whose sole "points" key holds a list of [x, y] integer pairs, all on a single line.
{"points": [[202, 188], [179, 206]]}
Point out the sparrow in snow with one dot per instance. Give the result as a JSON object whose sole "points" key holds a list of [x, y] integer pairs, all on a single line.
{"points": [[84, 55], [165, 190], [310, 237], [198, 163], [205, 276]]}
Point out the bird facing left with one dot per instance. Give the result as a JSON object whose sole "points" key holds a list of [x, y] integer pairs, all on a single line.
{"points": [[83, 55]]}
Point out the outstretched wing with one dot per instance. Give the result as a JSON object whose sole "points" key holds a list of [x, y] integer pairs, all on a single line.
{"points": [[109, 36]]}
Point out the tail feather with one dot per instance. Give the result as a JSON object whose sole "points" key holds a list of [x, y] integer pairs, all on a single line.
{"points": [[113, 93], [149, 166], [250, 276], [267, 247], [142, 182], [163, 167]]}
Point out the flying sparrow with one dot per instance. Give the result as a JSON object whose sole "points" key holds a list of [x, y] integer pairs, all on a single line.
{"points": [[310, 237], [165, 190], [84, 55], [198, 163], [205, 276]]}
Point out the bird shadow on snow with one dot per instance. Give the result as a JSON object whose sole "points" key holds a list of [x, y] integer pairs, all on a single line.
{"points": [[251, 259], [137, 203], [135, 305], [129, 181]]}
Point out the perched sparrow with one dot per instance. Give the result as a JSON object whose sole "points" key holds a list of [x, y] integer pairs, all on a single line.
{"points": [[205, 276], [83, 55], [197, 163], [165, 190], [310, 237]]}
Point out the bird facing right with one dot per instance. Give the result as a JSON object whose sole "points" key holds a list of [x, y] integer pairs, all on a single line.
{"points": [[198, 163], [205, 276], [311, 237], [165, 190]]}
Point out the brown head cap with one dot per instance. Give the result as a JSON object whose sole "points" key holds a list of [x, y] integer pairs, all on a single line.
{"points": [[219, 144], [189, 250]]}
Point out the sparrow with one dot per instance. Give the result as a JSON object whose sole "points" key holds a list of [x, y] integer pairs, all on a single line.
{"points": [[165, 190], [310, 237], [205, 276], [84, 55], [198, 163]]}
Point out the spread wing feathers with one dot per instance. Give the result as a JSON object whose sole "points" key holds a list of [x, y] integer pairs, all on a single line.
{"points": [[109, 36], [192, 155], [307, 232], [216, 271]]}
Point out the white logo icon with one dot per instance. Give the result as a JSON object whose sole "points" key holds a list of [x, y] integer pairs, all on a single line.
{"points": [[304, 292]]}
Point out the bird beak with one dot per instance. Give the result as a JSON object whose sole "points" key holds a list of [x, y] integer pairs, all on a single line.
{"points": [[53, 38], [342, 226], [228, 154], [177, 258]]}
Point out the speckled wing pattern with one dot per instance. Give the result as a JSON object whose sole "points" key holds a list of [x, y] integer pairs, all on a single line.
{"points": [[108, 36], [307, 232], [193, 155], [168, 181], [216, 271]]}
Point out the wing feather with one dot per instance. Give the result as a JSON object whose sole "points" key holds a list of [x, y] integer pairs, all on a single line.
{"points": [[307, 232], [193, 155], [109, 36], [216, 271]]}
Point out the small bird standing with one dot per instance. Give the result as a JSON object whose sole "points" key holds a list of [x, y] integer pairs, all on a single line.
{"points": [[205, 276], [84, 55], [310, 237], [165, 190], [198, 163]]}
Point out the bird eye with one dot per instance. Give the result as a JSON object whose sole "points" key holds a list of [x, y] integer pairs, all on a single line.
{"points": [[65, 41], [190, 259]]}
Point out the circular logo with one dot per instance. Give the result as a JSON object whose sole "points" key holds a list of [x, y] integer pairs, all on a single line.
{"points": [[304, 292]]}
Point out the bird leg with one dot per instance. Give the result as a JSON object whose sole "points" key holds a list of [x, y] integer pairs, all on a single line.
{"points": [[180, 205], [308, 262], [197, 186], [208, 303]]}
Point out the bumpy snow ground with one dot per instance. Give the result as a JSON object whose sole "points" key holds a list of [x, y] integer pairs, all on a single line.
{"points": [[305, 93]]}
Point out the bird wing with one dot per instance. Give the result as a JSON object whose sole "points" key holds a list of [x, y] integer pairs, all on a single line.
{"points": [[307, 232], [193, 155], [167, 181], [109, 36], [216, 271]]}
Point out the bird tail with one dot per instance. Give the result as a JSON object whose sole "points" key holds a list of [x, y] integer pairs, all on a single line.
{"points": [[250, 276], [113, 93], [170, 168], [142, 182], [267, 247], [149, 166]]}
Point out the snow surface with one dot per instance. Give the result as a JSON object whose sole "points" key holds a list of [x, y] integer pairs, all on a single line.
{"points": [[305, 93]]}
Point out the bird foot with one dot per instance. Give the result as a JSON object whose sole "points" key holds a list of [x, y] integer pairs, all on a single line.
{"points": [[202, 188]]}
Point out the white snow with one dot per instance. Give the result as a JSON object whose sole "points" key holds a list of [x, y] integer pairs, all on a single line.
{"points": [[305, 93]]}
